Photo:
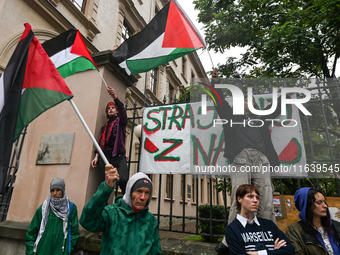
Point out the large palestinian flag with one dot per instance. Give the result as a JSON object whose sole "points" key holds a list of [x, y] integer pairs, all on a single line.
{"points": [[11, 82], [69, 53], [29, 86], [169, 35]]}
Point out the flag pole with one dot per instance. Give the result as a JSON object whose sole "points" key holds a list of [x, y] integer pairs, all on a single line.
{"points": [[210, 59], [89, 132], [103, 79]]}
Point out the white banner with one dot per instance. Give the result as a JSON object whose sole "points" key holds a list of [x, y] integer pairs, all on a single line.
{"points": [[178, 139]]}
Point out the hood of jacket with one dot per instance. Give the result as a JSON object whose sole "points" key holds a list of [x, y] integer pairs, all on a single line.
{"points": [[131, 182], [300, 200]]}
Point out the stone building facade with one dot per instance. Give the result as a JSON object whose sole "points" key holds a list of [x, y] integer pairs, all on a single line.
{"points": [[105, 25]]}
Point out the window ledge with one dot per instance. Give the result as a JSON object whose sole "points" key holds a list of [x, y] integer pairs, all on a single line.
{"points": [[168, 199], [185, 80], [181, 201]]}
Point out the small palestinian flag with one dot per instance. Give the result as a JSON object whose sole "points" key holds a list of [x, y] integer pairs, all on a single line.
{"points": [[69, 53], [169, 35]]}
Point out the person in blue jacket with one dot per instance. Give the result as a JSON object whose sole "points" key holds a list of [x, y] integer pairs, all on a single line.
{"points": [[248, 234], [316, 232]]}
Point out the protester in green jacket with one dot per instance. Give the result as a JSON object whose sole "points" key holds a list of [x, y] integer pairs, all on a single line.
{"points": [[52, 224], [127, 226]]}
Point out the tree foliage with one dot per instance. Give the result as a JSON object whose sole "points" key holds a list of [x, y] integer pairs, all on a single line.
{"points": [[283, 38]]}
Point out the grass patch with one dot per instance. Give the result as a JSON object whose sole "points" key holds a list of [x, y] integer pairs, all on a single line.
{"points": [[199, 238], [196, 238]]}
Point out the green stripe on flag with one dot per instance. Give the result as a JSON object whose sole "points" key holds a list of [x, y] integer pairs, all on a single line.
{"points": [[77, 65], [144, 65], [33, 102]]}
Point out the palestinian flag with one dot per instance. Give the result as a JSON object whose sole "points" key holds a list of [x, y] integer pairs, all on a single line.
{"points": [[29, 86], [169, 35], [69, 53], [11, 82]]}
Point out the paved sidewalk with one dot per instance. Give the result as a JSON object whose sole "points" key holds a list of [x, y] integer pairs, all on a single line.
{"points": [[189, 227]]}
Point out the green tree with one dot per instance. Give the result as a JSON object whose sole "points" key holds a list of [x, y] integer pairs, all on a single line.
{"points": [[283, 38]]}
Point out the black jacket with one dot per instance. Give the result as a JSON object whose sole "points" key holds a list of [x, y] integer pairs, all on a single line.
{"points": [[225, 112]]}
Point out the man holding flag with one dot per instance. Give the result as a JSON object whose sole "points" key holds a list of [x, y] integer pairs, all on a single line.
{"points": [[112, 141]]}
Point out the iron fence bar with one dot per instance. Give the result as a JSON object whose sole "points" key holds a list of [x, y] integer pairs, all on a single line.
{"points": [[225, 201], [197, 204], [184, 183], [171, 196], [216, 192], [159, 196], [139, 150], [210, 195], [338, 93], [132, 131], [310, 142], [327, 133]]}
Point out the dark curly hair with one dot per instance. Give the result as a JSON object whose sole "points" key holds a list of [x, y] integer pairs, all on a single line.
{"points": [[325, 221]]}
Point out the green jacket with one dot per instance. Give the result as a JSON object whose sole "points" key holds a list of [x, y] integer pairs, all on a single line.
{"points": [[51, 242], [124, 231], [305, 243]]}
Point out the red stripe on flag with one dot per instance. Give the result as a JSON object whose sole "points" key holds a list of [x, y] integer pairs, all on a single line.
{"points": [[41, 72], [28, 28], [179, 32], [79, 48]]}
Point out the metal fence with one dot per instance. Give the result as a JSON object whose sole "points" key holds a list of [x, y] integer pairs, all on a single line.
{"points": [[321, 133], [5, 199]]}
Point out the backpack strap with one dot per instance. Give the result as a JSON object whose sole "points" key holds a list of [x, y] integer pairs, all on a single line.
{"points": [[69, 229]]}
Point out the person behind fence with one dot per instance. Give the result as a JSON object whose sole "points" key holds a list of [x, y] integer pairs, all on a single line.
{"points": [[316, 232], [112, 141], [249, 234], [249, 145], [54, 228], [127, 226]]}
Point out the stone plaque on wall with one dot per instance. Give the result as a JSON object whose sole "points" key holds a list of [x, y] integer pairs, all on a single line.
{"points": [[55, 149]]}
